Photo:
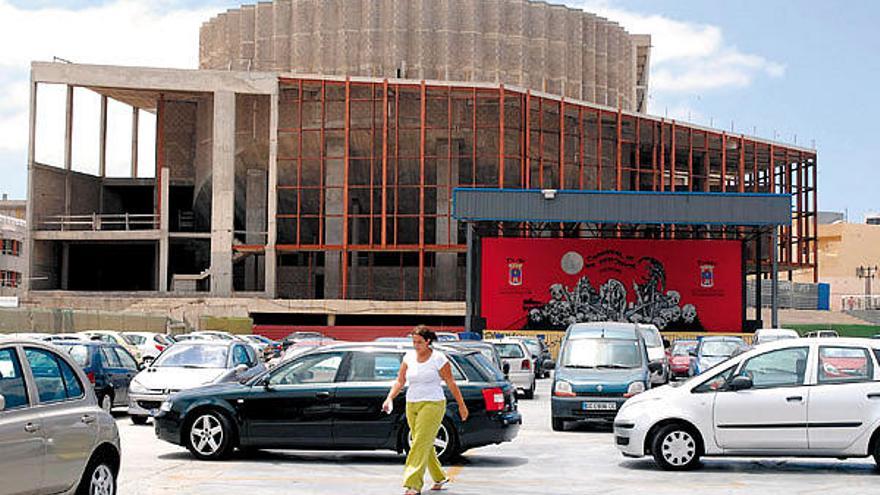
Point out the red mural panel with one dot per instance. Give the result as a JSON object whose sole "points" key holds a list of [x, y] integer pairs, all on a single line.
{"points": [[678, 285]]}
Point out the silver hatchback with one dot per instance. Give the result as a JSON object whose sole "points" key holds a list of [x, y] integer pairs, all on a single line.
{"points": [[54, 438]]}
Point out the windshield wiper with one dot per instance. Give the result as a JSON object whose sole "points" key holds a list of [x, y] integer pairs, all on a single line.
{"points": [[615, 366], [580, 366]]}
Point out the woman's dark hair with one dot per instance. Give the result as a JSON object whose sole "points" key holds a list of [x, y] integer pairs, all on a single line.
{"points": [[425, 333]]}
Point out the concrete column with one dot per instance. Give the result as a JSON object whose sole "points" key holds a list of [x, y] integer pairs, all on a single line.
{"points": [[65, 265], [333, 208], [68, 130], [134, 142], [31, 226], [445, 279], [102, 139], [222, 192], [272, 201], [255, 226], [165, 178]]}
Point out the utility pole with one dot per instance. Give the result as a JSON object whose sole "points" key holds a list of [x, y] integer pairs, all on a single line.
{"points": [[867, 273]]}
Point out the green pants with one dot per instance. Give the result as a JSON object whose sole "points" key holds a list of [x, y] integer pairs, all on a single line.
{"points": [[424, 420]]}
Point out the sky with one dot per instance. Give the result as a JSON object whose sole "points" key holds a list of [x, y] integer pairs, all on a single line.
{"points": [[796, 71]]}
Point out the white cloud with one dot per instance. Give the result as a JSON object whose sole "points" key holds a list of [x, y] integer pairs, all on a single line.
{"points": [[121, 32], [688, 57]]}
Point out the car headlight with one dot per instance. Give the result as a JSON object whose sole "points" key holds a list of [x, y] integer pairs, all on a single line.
{"points": [[635, 388], [166, 406], [136, 388], [563, 389]]}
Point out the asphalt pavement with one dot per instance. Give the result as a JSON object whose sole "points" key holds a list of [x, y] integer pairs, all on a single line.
{"points": [[582, 460]]}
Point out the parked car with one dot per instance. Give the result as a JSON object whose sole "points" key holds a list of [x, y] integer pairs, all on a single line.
{"points": [[683, 353], [188, 365], [487, 349], [600, 366], [712, 351], [822, 334], [656, 353], [150, 344], [331, 399], [764, 335], [805, 397], [540, 354], [54, 437], [112, 337], [447, 337], [109, 367], [517, 357], [295, 337], [303, 346], [48, 337], [266, 348], [400, 340]]}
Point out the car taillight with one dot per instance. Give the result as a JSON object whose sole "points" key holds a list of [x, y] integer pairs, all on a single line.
{"points": [[494, 399], [527, 364], [91, 376], [160, 348]]}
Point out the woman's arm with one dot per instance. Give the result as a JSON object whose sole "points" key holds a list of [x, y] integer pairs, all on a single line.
{"points": [[446, 374], [396, 387]]}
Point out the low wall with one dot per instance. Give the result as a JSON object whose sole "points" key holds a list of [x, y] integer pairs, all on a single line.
{"points": [[69, 321]]}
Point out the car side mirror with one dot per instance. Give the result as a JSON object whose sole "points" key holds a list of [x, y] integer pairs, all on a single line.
{"points": [[549, 364], [655, 366], [506, 369], [2, 403], [740, 383]]}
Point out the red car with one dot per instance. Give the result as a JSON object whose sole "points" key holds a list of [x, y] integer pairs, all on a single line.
{"points": [[681, 357]]}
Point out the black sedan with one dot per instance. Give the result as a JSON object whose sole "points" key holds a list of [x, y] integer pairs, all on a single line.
{"points": [[331, 399]]}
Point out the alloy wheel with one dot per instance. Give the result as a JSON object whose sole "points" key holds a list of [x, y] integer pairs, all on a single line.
{"points": [[206, 435], [679, 448], [441, 441], [102, 482]]}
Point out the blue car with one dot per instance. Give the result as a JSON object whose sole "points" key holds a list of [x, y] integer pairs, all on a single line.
{"points": [[109, 368], [600, 366], [712, 351]]}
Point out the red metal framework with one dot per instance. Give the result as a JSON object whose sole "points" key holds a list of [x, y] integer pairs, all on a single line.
{"points": [[392, 152]]}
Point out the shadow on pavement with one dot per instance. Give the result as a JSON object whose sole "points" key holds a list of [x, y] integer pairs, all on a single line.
{"points": [[764, 466]]}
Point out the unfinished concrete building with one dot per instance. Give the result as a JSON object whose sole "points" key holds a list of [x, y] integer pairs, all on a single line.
{"points": [[274, 172]]}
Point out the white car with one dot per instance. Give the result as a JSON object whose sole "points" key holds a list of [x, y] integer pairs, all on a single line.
{"points": [[791, 398], [764, 335], [656, 352], [150, 344], [112, 337], [188, 365], [517, 356]]}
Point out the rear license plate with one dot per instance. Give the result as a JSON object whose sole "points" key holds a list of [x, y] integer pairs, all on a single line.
{"points": [[599, 406]]}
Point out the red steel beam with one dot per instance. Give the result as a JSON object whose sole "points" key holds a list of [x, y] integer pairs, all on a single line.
{"points": [[527, 152], [501, 136], [384, 233], [321, 194], [815, 212], [619, 152], [299, 167], [422, 119], [562, 143], [599, 149], [581, 147], [345, 154]]}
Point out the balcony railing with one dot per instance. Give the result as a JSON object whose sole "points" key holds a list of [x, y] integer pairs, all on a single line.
{"points": [[853, 302], [97, 222]]}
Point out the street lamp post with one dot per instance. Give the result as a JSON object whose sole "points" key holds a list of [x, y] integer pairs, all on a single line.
{"points": [[867, 273]]}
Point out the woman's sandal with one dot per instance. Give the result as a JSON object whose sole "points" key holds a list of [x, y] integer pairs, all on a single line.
{"points": [[440, 485], [411, 491]]}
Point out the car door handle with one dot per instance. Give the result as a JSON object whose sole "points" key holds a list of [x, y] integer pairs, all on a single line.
{"points": [[31, 427], [87, 419], [794, 398], [322, 395], [874, 396]]}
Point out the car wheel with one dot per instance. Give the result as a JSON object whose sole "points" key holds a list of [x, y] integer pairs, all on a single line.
{"points": [[558, 424], [106, 402], [209, 436], [139, 420], [446, 443], [98, 479], [675, 447], [530, 393]]}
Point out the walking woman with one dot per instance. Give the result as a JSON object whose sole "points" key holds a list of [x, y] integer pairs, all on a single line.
{"points": [[424, 370]]}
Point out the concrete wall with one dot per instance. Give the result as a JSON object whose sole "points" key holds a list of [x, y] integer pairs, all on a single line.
{"points": [[68, 321], [49, 187], [531, 44]]}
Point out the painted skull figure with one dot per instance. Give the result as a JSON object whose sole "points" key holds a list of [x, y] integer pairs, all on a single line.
{"points": [[674, 297], [689, 313]]}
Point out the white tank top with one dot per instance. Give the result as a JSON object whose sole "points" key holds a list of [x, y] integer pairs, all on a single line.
{"points": [[423, 380]]}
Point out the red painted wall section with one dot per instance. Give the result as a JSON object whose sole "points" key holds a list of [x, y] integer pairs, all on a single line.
{"points": [[348, 334], [678, 285]]}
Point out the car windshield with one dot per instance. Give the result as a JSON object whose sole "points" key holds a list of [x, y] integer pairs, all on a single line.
{"points": [[719, 348], [134, 339], [683, 348], [79, 353], [489, 369], [509, 350], [193, 356], [652, 337], [601, 353]]}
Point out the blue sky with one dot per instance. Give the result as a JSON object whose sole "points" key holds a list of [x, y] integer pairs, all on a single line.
{"points": [[776, 69]]}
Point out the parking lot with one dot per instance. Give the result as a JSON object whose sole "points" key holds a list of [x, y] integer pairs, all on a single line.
{"points": [[540, 461]]}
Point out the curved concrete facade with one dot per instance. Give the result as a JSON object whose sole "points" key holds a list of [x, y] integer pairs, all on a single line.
{"points": [[534, 45]]}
